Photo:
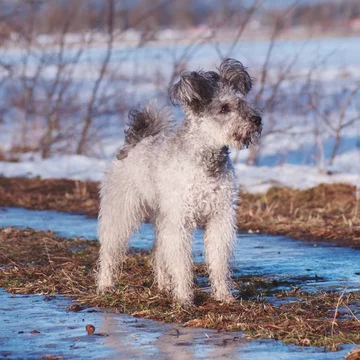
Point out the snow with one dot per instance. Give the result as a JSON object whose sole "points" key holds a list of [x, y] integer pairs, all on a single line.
{"points": [[254, 179], [259, 179], [67, 166], [286, 158]]}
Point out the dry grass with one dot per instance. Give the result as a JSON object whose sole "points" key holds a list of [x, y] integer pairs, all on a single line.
{"points": [[41, 263], [50, 194], [354, 355], [8, 157], [326, 212]]}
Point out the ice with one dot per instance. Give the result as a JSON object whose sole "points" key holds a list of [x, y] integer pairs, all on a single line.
{"points": [[281, 257], [63, 334]]}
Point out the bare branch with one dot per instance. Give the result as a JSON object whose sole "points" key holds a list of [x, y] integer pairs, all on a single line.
{"points": [[90, 108]]}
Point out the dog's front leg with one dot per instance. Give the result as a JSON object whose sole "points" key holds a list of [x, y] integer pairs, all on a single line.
{"points": [[220, 232], [173, 256]]}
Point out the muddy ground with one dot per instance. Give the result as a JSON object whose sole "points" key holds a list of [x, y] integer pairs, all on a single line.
{"points": [[324, 213]]}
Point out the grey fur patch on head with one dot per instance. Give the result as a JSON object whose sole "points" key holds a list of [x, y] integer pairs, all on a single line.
{"points": [[145, 122], [235, 75], [195, 89]]}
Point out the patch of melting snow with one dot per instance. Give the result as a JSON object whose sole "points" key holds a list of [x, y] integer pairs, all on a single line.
{"points": [[312, 265], [62, 333]]}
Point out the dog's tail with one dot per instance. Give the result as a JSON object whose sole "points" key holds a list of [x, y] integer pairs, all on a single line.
{"points": [[145, 122]]}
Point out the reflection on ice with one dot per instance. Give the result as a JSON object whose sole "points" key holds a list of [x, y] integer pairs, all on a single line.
{"points": [[62, 333]]}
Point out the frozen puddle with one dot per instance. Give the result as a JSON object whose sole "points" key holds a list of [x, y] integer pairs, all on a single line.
{"points": [[62, 333], [312, 265]]}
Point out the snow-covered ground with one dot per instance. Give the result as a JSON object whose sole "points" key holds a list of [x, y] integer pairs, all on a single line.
{"points": [[291, 158], [250, 178]]}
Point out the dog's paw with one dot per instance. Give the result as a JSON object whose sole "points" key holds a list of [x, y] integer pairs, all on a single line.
{"points": [[164, 286], [226, 297], [184, 304], [105, 289], [184, 300]]}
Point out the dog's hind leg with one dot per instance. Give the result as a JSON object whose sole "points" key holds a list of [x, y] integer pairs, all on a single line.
{"points": [[121, 212]]}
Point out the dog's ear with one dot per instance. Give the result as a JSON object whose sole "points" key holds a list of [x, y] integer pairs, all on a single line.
{"points": [[194, 89], [234, 74]]}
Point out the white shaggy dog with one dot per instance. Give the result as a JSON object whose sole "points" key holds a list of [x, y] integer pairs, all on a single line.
{"points": [[179, 179]]}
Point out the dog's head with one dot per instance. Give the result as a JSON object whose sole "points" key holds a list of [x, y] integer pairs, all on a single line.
{"points": [[217, 102]]}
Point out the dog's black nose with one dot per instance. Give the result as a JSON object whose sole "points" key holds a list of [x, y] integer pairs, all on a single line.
{"points": [[256, 120]]}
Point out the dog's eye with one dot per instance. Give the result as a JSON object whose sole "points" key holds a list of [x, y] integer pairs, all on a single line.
{"points": [[225, 109]]}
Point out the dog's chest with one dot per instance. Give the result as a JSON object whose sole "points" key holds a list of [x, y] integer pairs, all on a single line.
{"points": [[195, 186], [214, 162], [209, 196]]}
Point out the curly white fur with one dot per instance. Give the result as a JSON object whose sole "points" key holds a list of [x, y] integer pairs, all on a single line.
{"points": [[179, 179]]}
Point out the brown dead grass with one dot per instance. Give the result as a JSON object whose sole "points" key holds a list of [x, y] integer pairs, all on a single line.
{"points": [[354, 355], [39, 262], [325, 212], [50, 194], [8, 157]]}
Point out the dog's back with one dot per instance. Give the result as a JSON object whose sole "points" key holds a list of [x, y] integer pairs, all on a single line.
{"points": [[145, 122]]}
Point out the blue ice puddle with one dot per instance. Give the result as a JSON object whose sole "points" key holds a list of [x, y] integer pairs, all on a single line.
{"points": [[316, 265], [62, 333]]}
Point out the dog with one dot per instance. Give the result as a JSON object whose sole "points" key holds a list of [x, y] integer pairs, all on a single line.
{"points": [[180, 178]]}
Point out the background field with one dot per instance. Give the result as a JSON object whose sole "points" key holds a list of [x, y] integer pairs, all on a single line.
{"points": [[70, 73]]}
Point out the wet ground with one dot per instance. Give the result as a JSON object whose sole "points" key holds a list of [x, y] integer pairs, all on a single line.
{"points": [[62, 333], [312, 265]]}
